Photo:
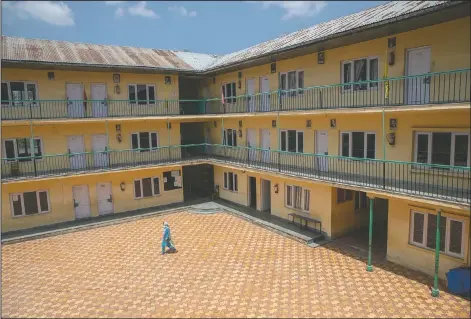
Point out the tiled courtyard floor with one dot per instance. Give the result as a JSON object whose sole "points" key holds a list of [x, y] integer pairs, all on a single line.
{"points": [[225, 267]]}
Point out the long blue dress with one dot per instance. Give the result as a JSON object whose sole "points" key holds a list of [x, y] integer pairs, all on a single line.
{"points": [[167, 240]]}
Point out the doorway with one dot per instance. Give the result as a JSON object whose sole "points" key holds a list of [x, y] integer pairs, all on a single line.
{"points": [[252, 192], [99, 145], [418, 88], [251, 143], [266, 195], [104, 198], [75, 102], [76, 150], [81, 200], [99, 105], [265, 97], [265, 145], [251, 95], [322, 146], [198, 181]]}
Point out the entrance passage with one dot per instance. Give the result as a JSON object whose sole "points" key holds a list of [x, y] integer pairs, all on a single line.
{"points": [[198, 181], [252, 192]]}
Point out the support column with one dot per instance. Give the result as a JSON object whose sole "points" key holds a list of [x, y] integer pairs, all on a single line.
{"points": [[222, 137], [168, 138], [278, 137], [435, 291], [107, 142], [31, 145], [384, 152], [369, 267]]}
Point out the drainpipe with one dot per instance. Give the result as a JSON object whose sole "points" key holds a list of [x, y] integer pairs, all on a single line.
{"points": [[107, 141], [278, 129], [222, 136], [31, 144], [435, 291], [169, 140], [384, 152], [369, 267]]}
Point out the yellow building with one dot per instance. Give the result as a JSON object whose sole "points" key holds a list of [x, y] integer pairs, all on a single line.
{"points": [[359, 123]]}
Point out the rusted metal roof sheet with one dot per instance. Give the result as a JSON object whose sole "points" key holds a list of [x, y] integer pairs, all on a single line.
{"points": [[321, 31], [50, 51]]}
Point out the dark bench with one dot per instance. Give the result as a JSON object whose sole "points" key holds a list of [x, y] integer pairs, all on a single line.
{"points": [[306, 220]]}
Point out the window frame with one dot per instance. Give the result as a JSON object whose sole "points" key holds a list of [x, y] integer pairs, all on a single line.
{"points": [[430, 150], [23, 213], [136, 101], [150, 141], [234, 137], [303, 199], [423, 244], [297, 90], [142, 189], [350, 144], [235, 182], [229, 99], [369, 86], [24, 103], [287, 139], [15, 146]]}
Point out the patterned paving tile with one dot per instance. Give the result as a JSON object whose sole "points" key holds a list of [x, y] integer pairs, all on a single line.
{"points": [[225, 267]]}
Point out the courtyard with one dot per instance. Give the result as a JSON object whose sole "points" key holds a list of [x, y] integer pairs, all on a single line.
{"points": [[225, 267]]}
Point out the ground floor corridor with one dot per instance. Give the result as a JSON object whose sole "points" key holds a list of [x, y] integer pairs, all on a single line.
{"points": [[225, 267]]}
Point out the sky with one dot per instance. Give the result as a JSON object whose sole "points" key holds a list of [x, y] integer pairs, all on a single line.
{"points": [[215, 27]]}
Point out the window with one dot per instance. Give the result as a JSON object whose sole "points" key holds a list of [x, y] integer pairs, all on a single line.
{"points": [[423, 233], [230, 182], [358, 144], [292, 141], [443, 148], [30, 203], [18, 92], [290, 81], [297, 197], [230, 137], [20, 149], [172, 180], [146, 187], [344, 195], [142, 93], [358, 70], [361, 201], [144, 140], [229, 92]]}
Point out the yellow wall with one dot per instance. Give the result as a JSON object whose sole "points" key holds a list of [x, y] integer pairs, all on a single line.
{"points": [[344, 217], [61, 198], [448, 53], [401, 252]]}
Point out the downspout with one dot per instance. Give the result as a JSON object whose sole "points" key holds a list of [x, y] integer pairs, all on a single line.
{"points": [[435, 291], [31, 145]]}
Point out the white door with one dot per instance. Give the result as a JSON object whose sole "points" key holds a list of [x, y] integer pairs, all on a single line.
{"points": [[251, 143], [104, 198], [322, 147], [418, 88], [99, 104], [99, 144], [265, 145], [250, 95], [76, 145], [265, 97], [75, 106], [81, 201]]}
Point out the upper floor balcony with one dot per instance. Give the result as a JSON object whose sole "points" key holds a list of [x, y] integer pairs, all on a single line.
{"points": [[426, 89], [439, 182]]}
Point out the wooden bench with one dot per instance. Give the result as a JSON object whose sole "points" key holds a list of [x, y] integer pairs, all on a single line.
{"points": [[306, 220]]}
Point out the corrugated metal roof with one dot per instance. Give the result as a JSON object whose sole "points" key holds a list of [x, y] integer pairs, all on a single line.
{"points": [[360, 19], [50, 51], [35, 50]]}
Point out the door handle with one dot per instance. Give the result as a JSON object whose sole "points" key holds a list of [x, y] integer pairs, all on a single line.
{"points": [[325, 153], [427, 80], [75, 204], [110, 200]]}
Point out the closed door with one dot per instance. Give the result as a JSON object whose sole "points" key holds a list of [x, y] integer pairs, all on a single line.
{"points": [[265, 97], [322, 146], [75, 106], [250, 95], [265, 145], [418, 88], [99, 103], [81, 201], [99, 145], [104, 198], [266, 195], [251, 143], [75, 144]]}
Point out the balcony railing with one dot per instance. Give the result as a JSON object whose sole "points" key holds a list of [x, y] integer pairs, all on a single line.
{"points": [[450, 183], [431, 88]]}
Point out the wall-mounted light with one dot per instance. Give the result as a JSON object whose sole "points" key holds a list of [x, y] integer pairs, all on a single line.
{"points": [[240, 123], [117, 89], [273, 123], [275, 187], [119, 137], [168, 79], [308, 123], [273, 68], [333, 123], [122, 186], [215, 124], [118, 127], [50, 75], [240, 133], [320, 57], [391, 138], [392, 124]]}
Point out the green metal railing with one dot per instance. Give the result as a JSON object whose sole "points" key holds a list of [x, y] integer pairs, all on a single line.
{"points": [[451, 183], [431, 88]]}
